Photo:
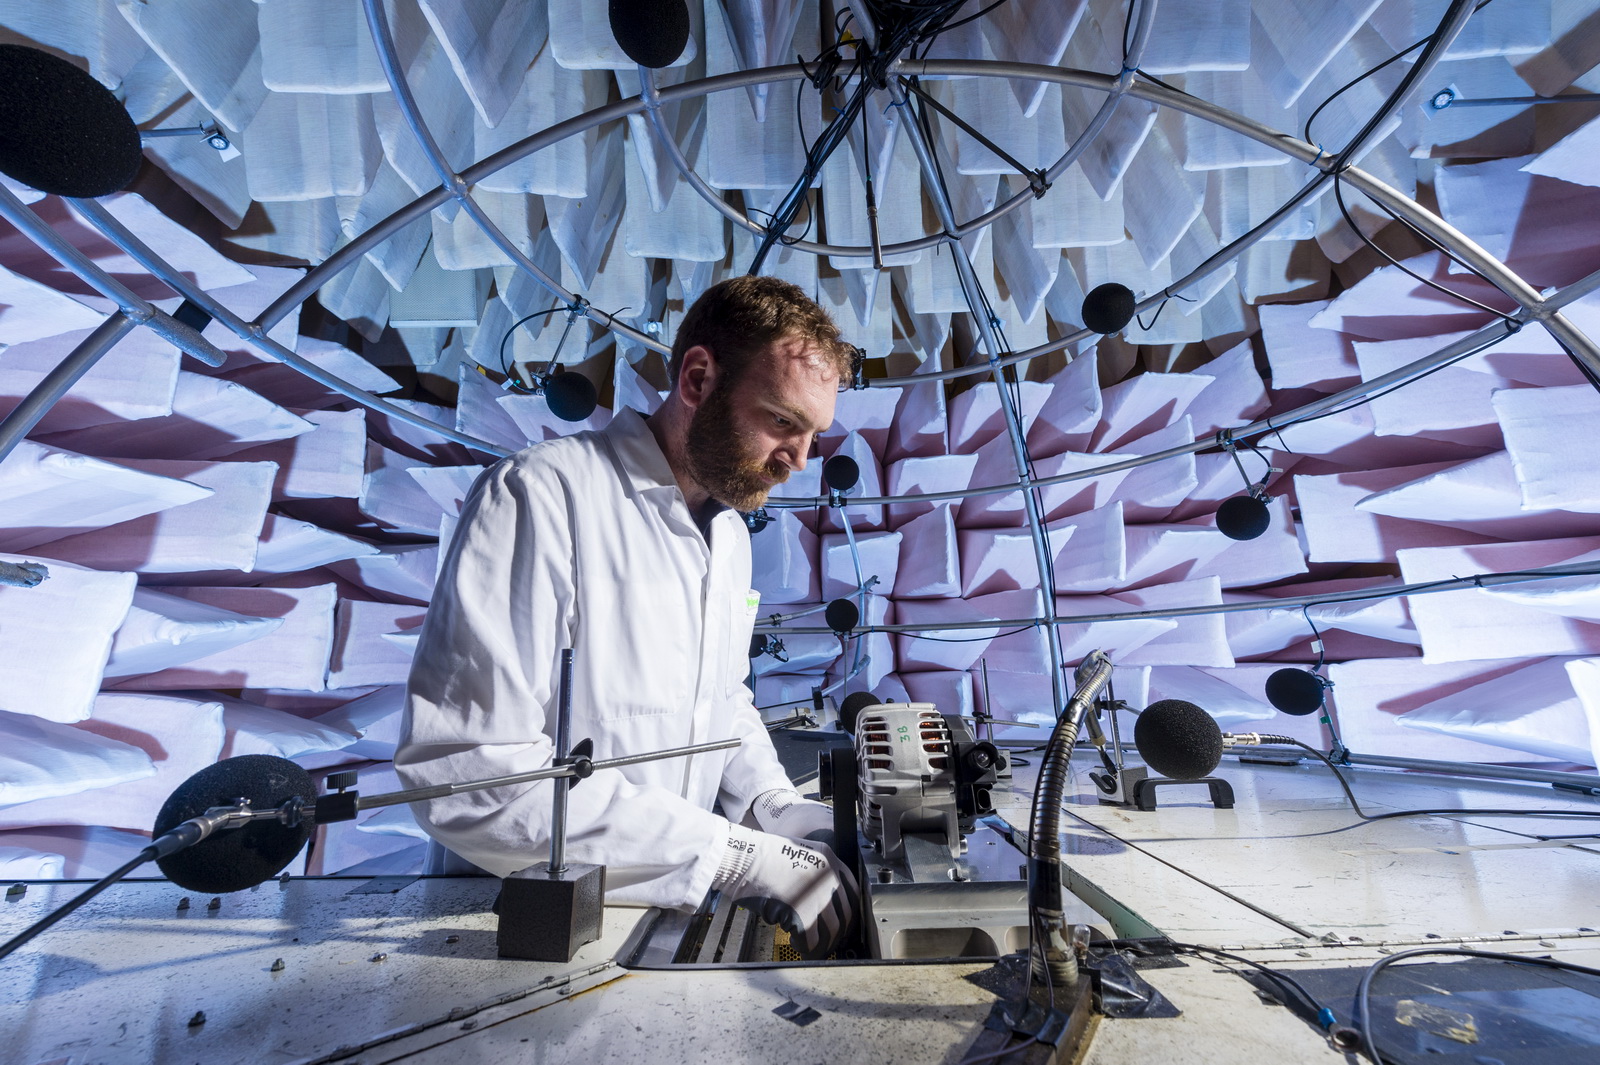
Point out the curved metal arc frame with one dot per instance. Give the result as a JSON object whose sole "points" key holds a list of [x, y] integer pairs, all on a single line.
{"points": [[136, 308], [253, 333], [459, 186], [1136, 86], [1455, 584]]}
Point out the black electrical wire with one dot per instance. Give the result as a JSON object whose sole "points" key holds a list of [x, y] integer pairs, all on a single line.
{"points": [[1338, 195], [1323, 1013], [505, 367], [1363, 1004], [1359, 78], [1469, 811]]}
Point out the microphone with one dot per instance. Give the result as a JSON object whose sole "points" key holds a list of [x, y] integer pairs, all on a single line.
{"points": [[851, 708], [1178, 739], [653, 33], [842, 616], [255, 786], [65, 133], [1296, 691], [841, 473], [1108, 308], [1243, 517], [570, 394]]}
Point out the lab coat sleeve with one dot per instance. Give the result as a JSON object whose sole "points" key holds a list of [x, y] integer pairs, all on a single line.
{"points": [[481, 699]]}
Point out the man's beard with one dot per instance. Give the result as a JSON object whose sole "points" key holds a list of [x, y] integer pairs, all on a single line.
{"points": [[724, 461]]}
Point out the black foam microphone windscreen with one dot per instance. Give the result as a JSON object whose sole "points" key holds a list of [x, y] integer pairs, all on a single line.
{"points": [[842, 615], [571, 396], [1295, 691], [61, 131], [1108, 307], [1178, 739], [1243, 518], [851, 708], [841, 473], [238, 858], [653, 33]]}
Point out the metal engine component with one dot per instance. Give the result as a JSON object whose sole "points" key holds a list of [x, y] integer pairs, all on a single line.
{"points": [[921, 773]]}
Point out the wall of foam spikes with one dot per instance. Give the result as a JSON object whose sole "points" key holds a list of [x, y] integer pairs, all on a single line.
{"points": [[239, 556]]}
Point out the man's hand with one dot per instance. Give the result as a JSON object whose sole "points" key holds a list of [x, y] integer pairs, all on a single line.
{"points": [[800, 887], [785, 812]]}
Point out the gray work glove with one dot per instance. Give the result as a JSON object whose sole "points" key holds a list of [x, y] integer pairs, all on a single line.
{"points": [[785, 812], [800, 887]]}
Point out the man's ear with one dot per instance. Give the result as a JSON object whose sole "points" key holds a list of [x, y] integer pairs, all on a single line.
{"points": [[697, 376]]}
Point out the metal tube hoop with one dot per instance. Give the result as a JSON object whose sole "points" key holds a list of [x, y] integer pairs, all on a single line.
{"points": [[1492, 332], [457, 184]]}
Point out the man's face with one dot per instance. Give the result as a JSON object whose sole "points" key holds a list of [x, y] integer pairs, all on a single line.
{"points": [[746, 439]]}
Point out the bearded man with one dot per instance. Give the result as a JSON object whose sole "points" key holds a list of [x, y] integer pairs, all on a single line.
{"points": [[626, 545]]}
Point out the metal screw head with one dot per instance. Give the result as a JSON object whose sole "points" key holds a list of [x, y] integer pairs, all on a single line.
{"points": [[380, 956]]}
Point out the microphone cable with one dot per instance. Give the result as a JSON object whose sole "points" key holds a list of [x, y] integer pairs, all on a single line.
{"points": [[1366, 817]]}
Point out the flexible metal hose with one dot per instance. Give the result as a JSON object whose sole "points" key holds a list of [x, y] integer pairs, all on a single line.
{"points": [[1044, 828]]}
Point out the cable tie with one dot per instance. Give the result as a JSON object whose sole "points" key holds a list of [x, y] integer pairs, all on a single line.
{"points": [[1320, 153]]}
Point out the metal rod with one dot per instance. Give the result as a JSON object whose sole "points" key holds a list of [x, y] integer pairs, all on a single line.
{"points": [[55, 384], [141, 311], [558, 812], [1521, 101], [94, 213], [1469, 769], [971, 289], [1355, 595], [1458, 349], [439, 791]]}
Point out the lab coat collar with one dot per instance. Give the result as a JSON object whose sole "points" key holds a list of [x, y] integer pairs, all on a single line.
{"points": [[644, 467]]}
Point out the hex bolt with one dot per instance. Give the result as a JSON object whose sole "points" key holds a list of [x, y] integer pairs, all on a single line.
{"points": [[277, 966], [215, 903], [198, 1019], [183, 903]]}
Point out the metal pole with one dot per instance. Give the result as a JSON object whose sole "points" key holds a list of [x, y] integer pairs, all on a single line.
{"points": [[1393, 591], [974, 296], [1469, 769], [140, 311], [254, 333], [558, 814], [1493, 332], [25, 415]]}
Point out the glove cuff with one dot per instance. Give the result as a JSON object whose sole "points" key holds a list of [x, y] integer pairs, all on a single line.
{"points": [[738, 855]]}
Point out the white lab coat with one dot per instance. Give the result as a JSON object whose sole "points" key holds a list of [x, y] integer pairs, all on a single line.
{"points": [[586, 542]]}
